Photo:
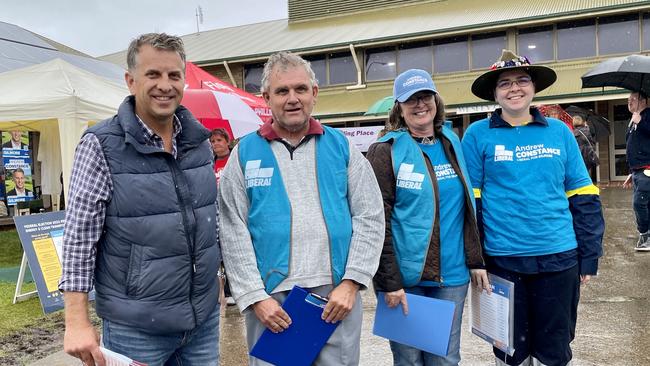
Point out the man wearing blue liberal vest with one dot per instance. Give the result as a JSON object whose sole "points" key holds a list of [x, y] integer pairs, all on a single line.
{"points": [[299, 206], [540, 213]]}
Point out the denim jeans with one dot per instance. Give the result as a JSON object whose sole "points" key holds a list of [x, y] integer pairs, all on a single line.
{"points": [[408, 356], [199, 346]]}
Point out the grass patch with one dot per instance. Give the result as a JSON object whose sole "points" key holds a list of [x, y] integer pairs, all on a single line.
{"points": [[11, 251], [17, 316]]}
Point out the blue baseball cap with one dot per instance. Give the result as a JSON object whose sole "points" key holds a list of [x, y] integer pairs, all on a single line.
{"points": [[410, 82]]}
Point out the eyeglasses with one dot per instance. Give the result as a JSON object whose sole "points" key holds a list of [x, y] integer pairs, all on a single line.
{"points": [[414, 100], [521, 82]]}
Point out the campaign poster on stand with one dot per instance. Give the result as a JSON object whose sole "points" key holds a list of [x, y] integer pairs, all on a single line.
{"points": [[19, 186], [42, 238], [15, 140]]}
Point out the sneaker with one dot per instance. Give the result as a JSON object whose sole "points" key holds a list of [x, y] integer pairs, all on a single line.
{"points": [[230, 301], [643, 245]]}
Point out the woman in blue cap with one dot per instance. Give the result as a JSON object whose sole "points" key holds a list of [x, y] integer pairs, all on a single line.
{"points": [[540, 213], [432, 242]]}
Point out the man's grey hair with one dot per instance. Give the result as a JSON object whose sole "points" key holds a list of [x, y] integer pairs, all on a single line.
{"points": [[284, 60], [160, 41]]}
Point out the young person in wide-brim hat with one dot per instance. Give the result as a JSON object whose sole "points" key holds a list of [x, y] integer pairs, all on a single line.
{"points": [[539, 212]]}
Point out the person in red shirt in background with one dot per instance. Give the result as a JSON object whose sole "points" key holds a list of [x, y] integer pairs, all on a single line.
{"points": [[220, 141]]}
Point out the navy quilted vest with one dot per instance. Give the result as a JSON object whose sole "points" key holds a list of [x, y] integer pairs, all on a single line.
{"points": [[158, 255]]}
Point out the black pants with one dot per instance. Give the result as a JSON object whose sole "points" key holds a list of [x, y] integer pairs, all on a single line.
{"points": [[546, 309]]}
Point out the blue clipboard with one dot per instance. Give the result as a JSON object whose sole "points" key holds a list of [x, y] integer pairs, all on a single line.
{"points": [[301, 343], [427, 327]]}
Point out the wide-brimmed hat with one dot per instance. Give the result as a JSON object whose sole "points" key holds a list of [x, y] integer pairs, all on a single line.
{"points": [[410, 82], [483, 86]]}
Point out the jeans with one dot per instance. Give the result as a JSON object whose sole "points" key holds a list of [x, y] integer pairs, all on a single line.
{"points": [[404, 355], [641, 201], [199, 346]]}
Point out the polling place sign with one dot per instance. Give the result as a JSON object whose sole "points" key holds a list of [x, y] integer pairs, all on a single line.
{"points": [[362, 137]]}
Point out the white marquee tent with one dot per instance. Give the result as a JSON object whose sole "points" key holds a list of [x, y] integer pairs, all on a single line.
{"points": [[59, 100]]}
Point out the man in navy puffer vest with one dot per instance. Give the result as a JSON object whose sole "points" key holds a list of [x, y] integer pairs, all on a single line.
{"points": [[141, 224]]}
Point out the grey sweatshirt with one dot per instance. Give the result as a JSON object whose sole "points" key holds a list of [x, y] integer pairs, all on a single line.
{"points": [[309, 259]]}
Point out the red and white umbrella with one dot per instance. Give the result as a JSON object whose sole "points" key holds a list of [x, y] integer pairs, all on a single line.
{"points": [[215, 109], [197, 78]]}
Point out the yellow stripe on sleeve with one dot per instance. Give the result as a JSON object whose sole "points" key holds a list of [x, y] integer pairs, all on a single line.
{"points": [[477, 193], [590, 189]]}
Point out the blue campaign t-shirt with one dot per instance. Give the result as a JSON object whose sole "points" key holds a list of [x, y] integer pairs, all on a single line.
{"points": [[523, 174], [451, 193]]}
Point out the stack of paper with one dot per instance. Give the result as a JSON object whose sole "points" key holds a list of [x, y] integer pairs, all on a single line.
{"points": [[116, 359]]}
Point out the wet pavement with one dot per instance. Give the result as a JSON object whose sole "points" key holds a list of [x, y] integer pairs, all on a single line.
{"points": [[613, 316]]}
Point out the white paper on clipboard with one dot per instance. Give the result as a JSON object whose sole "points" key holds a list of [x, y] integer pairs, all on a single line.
{"points": [[492, 315]]}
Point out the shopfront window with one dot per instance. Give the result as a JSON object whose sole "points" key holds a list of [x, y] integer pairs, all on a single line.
{"points": [[253, 77], [418, 56], [618, 34], [319, 65], [456, 124], [342, 69], [619, 127], [381, 63], [536, 43], [646, 31], [451, 54], [485, 49], [576, 39]]}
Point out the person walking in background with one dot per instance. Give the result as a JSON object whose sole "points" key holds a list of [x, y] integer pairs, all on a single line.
{"points": [[432, 241], [540, 213], [299, 206], [141, 223], [586, 144], [220, 142], [637, 139]]}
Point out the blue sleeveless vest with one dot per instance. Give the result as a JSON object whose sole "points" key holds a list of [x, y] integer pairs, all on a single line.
{"points": [[269, 215], [158, 256], [413, 214]]}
